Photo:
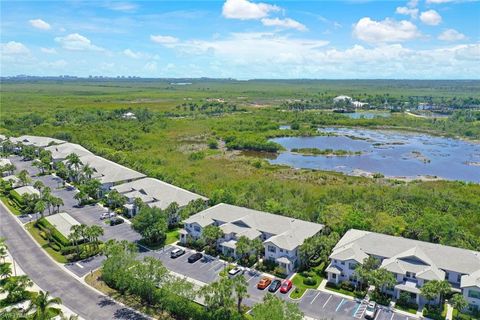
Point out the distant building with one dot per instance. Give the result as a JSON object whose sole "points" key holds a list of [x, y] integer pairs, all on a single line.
{"points": [[129, 116], [341, 99], [62, 151]]}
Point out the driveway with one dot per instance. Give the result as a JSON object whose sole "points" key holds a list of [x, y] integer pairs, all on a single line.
{"points": [[50, 277]]}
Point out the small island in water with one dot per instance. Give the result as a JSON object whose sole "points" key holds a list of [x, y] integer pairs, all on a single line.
{"points": [[326, 152]]}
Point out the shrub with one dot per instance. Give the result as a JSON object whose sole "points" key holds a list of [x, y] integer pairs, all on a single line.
{"points": [[347, 285], [59, 238], [212, 144], [199, 155], [309, 281]]}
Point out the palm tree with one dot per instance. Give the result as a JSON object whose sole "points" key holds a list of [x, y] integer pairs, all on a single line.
{"points": [[74, 163], [57, 202], [40, 207], [16, 288], [5, 270], [95, 233], [75, 237], [87, 171], [24, 177], [38, 185], [3, 249], [241, 291], [42, 307], [80, 197]]}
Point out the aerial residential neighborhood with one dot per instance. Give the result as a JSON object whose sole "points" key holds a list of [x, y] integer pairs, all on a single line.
{"points": [[240, 160]]}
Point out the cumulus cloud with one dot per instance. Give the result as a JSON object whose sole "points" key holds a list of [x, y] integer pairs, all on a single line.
{"points": [[286, 23], [246, 10], [412, 12], [451, 35], [387, 30], [165, 40], [440, 1], [39, 24], [48, 50], [77, 42], [431, 17], [14, 48], [134, 54]]}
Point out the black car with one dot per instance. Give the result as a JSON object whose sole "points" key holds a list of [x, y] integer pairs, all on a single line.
{"points": [[116, 221], [195, 257], [274, 285]]}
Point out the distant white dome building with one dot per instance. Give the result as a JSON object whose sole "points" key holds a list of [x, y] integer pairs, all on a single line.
{"points": [[342, 98]]}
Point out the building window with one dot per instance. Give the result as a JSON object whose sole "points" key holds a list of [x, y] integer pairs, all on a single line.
{"points": [[196, 228], [352, 266], [342, 263], [447, 275], [459, 278], [474, 294], [281, 250], [334, 276], [272, 249]]}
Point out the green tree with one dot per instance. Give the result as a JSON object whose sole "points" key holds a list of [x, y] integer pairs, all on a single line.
{"points": [[273, 307], [152, 224], [117, 268], [5, 270], [219, 299], [210, 234], [317, 249], [240, 287], [243, 248], [365, 271], [41, 307], [116, 200], [73, 164], [16, 288], [458, 302], [24, 177], [434, 289], [382, 278]]}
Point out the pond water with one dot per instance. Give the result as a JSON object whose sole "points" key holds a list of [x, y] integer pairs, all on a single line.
{"points": [[392, 153], [367, 115]]}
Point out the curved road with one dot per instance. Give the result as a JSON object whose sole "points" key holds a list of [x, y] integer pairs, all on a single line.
{"points": [[50, 277]]}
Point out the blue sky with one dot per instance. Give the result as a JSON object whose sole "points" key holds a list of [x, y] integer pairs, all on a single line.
{"points": [[424, 39]]}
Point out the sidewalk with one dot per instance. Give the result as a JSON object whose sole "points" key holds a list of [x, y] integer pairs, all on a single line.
{"points": [[17, 271]]}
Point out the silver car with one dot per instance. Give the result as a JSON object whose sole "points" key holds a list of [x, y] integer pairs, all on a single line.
{"points": [[371, 310]]}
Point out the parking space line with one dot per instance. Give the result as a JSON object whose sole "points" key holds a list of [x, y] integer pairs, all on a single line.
{"points": [[356, 310], [392, 315], [251, 278], [214, 265], [378, 313], [326, 302], [79, 265], [340, 304], [315, 297]]}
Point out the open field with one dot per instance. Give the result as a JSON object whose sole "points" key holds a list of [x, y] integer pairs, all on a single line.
{"points": [[174, 144]]}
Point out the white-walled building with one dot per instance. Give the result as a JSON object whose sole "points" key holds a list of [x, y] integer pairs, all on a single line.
{"points": [[36, 141], [281, 235], [470, 285], [155, 193], [412, 262]]}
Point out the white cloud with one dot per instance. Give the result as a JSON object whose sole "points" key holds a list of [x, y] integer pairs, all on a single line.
{"points": [[14, 48], [431, 17], [412, 3], [286, 23], [165, 40], [412, 12], [77, 42], [387, 30], [135, 54], [440, 1], [451, 35], [470, 52], [48, 50], [121, 6], [246, 10], [150, 66], [40, 24]]}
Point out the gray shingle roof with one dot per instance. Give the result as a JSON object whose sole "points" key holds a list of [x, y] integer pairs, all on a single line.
{"points": [[288, 233], [163, 193], [61, 151], [108, 171], [408, 252], [36, 141], [472, 280]]}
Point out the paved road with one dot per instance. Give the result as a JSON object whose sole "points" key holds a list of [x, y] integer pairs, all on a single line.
{"points": [[49, 276]]}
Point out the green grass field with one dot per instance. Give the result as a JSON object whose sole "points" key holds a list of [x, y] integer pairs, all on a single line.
{"points": [[172, 144]]}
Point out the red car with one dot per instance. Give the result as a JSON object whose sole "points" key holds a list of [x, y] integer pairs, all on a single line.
{"points": [[286, 286]]}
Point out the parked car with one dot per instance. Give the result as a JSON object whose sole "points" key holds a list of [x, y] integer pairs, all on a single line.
{"points": [[175, 253], [273, 287], [263, 283], [236, 271], [286, 286], [107, 215], [195, 257], [114, 222], [371, 310]]}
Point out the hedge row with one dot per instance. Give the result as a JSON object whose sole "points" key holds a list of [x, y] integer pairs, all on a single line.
{"points": [[17, 198], [59, 238]]}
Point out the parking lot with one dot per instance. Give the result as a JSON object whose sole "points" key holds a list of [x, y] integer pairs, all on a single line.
{"points": [[314, 303]]}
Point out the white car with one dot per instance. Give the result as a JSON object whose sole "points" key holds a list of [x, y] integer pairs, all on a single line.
{"points": [[235, 271], [371, 310], [107, 215]]}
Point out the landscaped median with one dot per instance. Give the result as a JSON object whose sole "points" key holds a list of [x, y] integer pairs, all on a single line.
{"points": [[306, 280]]}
